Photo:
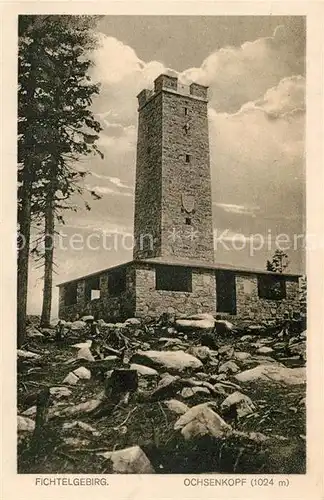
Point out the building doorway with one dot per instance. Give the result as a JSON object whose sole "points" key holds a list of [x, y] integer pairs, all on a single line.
{"points": [[225, 292]]}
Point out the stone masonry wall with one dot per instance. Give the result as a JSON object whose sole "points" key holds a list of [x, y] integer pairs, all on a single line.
{"points": [[186, 172], [109, 308], [152, 302], [251, 307], [142, 299], [148, 188]]}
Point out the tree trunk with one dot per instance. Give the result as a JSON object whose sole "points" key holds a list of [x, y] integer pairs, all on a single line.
{"points": [[48, 259], [24, 219]]}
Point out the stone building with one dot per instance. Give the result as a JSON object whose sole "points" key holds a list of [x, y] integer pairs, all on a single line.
{"points": [[173, 268]]}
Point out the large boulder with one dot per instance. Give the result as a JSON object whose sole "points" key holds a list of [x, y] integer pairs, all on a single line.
{"points": [[201, 322], [177, 361], [274, 373], [129, 461], [201, 420]]}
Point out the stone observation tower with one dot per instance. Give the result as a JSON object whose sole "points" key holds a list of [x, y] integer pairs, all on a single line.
{"points": [[173, 205], [173, 268]]}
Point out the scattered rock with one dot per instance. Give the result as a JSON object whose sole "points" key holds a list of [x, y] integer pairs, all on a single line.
{"points": [[201, 352], [196, 322], [25, 424], [133, 321], [176, 406], [170, 360], [201, 420], [60, 392], [30, 412], [71, 379], [246, 338], [33, 332], [255, 329], [189, 392], [202, 376], [85, 319], [243, 404], [85, 407], [241, 356], [85, 353], [222, 326], [144, 371], [27, 354], [76, 442], [281, 374], [299, 349], [229, 367], [81, 345], [129, 461], [78, 325], [81, 425], [208, 339], [82, 373], [264, 350], [226, 351], [167, 387]]}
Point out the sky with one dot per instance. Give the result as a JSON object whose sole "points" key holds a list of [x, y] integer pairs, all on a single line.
{"points": [[255, 70]]}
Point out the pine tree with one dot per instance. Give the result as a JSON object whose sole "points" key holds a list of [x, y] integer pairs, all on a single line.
{"points": [[278, 263], [63, 130]]}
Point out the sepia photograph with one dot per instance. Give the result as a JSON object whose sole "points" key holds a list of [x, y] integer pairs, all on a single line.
{"points": [[161, 255]]}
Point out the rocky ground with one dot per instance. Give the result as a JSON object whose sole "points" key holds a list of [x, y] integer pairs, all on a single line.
{"points": [[192, 396]]}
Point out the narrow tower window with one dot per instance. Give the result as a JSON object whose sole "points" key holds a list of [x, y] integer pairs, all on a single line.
{"points": [[186, 111], [188, 221], [187, 158]]}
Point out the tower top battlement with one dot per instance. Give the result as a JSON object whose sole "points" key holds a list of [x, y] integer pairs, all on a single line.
{"points": [[171, 84]]}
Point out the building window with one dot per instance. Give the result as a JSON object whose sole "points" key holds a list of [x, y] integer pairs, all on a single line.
{"points": [[187, 158], [70, 294], [188, 221], [186, 111], [226, 292], [117, 282], [271, 287], [92, 288], [173, 278]]}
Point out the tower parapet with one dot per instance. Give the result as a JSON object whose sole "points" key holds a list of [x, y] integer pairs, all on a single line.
{"points": [[171, 84]]}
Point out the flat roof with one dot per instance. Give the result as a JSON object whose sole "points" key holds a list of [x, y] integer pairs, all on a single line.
{"points": [[174, 261]]}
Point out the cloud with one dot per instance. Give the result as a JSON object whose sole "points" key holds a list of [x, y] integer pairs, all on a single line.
{"points": [[238, 209], [107, 190], [237, 75]]}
